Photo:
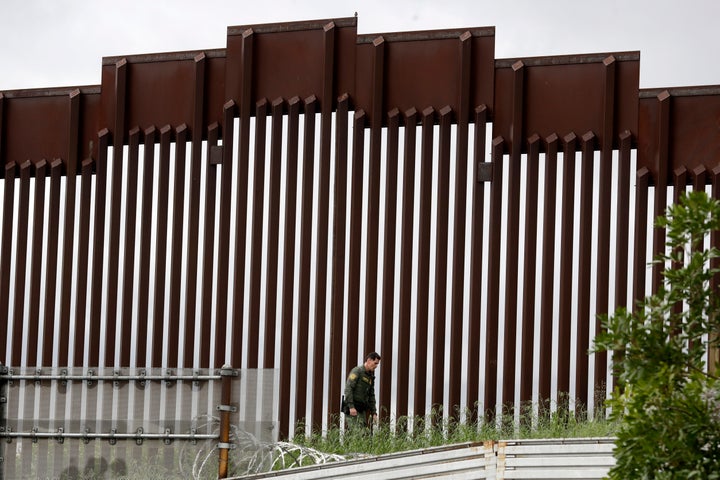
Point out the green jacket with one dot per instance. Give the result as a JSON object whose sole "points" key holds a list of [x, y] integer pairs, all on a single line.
{"points": [[360, 390]]}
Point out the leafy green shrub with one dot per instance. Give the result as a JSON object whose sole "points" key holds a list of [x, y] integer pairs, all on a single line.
{"points": [[667, 404]]}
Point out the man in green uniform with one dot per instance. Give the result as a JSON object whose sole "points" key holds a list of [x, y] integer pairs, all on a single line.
{"points": [[360, 393]]}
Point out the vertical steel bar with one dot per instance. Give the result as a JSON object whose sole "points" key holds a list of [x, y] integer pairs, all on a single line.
{"points": [[209, 244], [423, 269], [477, 215], [256, 244], [176, 245], [146, 209], [441, 258], [161, 229], [36, 262], [566, 260], [337, 289], [273, 215], [323, 204], [51, 268], [303, 378], [245, 107], [128, 282], [585, 260], [223, 253], [98, 248], [513, 231], [289, 265], [547, 292], [355, 240], [527, 345], [663, 165], [118, 136], [373, 194], [406, 263], [271, 275], [493, 277], [390, 229], [602, 285], [621, 229], [20, 264], [71, 163], [6, 252], [196, 134], [81, 318], [458, 271], [641, 227], [388, 274]]}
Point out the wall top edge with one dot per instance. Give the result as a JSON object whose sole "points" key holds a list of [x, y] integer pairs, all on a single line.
{"points": [[633, 56], [164, 56], [51, 92], [292, 26], [420, 35], [690, 91]]}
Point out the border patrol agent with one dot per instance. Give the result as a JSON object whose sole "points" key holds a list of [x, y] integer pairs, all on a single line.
{"points": [[360, 408]]}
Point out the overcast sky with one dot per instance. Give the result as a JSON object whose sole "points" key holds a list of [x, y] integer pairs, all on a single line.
{"points": [[49, 43]]}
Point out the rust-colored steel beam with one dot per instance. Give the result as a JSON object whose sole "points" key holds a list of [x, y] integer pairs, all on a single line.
{"points": [[127, 285], [355, 240], [586, 221], [387, 344], [566, 247], [406, 262], [288, 286], [118, 141], [516, 139], [146, 208], [23, 211], [338, 258], [476, 261], [547, 291], [464, 52], [641, 231], [10, 171], [36, 265], [621, 229], [423, 269], [493, 278], [441, 257], [304, 377], [256, 246], [214, 157], [327, 96], [527, 344]]}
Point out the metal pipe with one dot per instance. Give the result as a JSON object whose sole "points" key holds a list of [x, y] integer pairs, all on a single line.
{"points": [[110, 436], [224, 440], [40, 377]]}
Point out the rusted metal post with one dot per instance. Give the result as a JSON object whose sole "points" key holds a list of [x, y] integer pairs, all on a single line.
{"points": [[225, 409]]}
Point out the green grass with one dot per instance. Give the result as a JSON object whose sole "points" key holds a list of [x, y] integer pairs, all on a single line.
{"points": [[412, 433]]}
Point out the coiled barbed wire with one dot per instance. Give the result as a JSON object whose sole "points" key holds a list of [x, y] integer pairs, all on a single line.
{"points": [[249, 456]]}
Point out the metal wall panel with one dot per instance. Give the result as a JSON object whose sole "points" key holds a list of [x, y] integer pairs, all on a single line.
{"points": [[306, 195]]}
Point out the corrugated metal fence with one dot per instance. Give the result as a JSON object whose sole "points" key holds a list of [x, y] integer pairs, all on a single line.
{"points": [[308, 194], [582, 458]]}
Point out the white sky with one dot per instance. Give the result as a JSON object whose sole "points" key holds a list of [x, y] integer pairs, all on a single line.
{"points": [[50, 43]]}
